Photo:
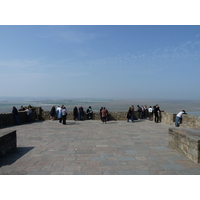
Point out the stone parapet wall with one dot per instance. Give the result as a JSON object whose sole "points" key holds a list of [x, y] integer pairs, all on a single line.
{"points": [[168, 118], [188, 121], [186, 142], [7, 119]]}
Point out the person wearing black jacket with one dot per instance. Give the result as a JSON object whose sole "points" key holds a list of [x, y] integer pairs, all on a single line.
{"points": [[156, 112], [80, 113], [129, 114], [52, 113], [16, 115], [75, 113], [101, 113]]}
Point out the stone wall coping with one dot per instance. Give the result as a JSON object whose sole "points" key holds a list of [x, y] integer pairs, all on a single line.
{"points": [[3, 132], [191, 133]]}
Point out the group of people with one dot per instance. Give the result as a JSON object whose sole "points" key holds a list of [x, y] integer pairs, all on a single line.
{"points": [[78, 113], [143, 112], [60, 112], [16, 113]]}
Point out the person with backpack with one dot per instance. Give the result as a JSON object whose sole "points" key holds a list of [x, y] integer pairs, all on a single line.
{"points": [[89, 113]]}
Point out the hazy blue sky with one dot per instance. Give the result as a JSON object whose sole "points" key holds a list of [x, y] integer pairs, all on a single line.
{"points": [[100, 61]]}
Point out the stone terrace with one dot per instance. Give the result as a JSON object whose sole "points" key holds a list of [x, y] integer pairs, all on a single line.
{"points": [[93, 148]]}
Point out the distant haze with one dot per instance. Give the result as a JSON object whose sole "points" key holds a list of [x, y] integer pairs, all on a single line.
{"points": [[172, 106]]}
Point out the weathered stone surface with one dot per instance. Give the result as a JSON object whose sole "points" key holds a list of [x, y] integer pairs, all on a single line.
{"points": [[186, 142]]}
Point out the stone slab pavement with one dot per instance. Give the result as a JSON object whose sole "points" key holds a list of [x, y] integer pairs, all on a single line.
{"points": [[93, 148]]}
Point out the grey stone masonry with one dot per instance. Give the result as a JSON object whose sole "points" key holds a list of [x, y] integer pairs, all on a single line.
{"points": [[186, 142], [8, 141]]}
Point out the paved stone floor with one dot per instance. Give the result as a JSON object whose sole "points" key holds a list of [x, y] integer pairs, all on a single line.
{"points": [[93, 148]]}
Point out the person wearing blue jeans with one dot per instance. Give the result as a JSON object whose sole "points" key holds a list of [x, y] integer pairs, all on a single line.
{"points": [[80, 114], [178, 117]]}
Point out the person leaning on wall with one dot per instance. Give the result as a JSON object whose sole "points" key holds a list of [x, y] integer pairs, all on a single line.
{"points": [[179, 117]]}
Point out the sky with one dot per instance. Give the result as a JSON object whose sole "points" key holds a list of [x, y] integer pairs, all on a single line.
{"points": [[100, 61]]}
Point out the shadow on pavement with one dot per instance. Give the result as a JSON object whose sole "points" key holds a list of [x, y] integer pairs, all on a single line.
{"points": [[72, 123], [14, 155]]}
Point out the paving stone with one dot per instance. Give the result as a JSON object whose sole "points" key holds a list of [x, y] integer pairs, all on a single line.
{"points": [[125, 158]]}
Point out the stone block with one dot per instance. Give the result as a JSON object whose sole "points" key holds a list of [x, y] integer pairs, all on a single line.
{"points": [[8, 141]]}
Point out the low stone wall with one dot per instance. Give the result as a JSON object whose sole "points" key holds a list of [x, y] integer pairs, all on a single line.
{"points": [[8, 141], [168, 118], [186, 142], [7, 119], [188, 121]]}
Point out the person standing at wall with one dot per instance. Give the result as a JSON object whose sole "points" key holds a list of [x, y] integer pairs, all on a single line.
{"points": [[59, 113], [22, 108], [129, 114], [52, 113], [29, 113], [64, 115], [139, 110], [75, 113], [89, 113], [104, 115], [178, 117], [16, 115], [80, 114], [150, 113], [146, 112], [142, 112], [156, 112], [100, 113], [132, 113]]}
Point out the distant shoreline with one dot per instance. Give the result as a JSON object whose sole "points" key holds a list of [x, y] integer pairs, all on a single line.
{"points": [[170, 106]]}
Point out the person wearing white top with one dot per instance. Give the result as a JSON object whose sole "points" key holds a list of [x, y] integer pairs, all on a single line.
{"points": [[178, 117], [59, 113], [150, 113], [64, 115]]}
